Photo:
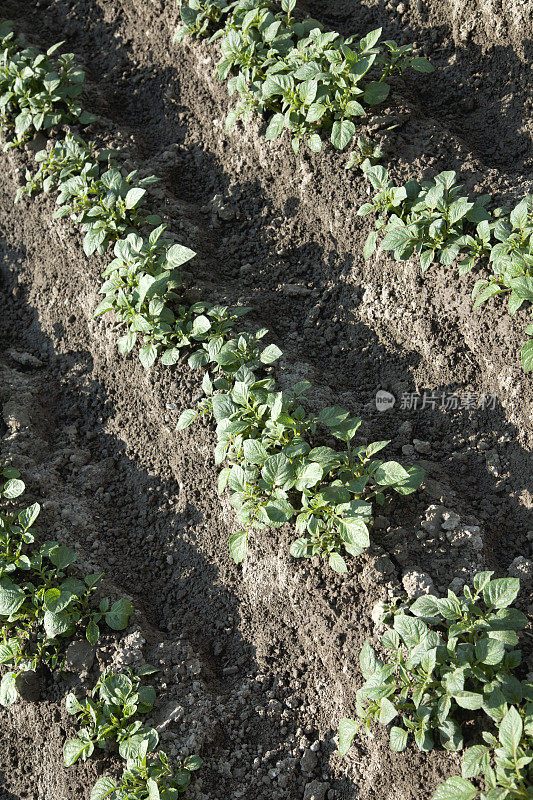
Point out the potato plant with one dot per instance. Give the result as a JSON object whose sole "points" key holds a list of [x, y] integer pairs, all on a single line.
{"points": [[105, 203], [444, 655], [305, 80], [505, 761], [42, 604], [37, 91], [147, 777], [110, 715], [437, 223], [274, 472]]}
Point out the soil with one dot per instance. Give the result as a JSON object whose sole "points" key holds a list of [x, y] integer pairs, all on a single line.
{"points": [[258, 663]]}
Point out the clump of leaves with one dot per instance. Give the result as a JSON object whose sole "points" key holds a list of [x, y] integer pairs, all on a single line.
{"points": [[434, 221], [366, 152], [505, 761], [37, 91], [274, 472], [41, 604], [147, 777], [443, 655], [141, 288], [110, 715], [106, 204], [511, 258], [201, 17], [307, 80]]}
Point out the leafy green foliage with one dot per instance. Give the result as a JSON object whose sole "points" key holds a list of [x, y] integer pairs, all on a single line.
{"points": [[505, 762], [110, 716], [434, 221], [275, 473], [106, 204], [443, 655], [305, 79], [147, 777], [41, 603], [37, 91]]}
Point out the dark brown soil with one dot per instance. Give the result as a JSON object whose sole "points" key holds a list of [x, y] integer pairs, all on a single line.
{"points": [[263, 658]]}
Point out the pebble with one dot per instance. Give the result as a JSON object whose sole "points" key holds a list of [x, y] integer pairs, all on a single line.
{"points": [[451, 520], [308, 761], [416, 583], [315, 790], [421, 446], [521, 568]]}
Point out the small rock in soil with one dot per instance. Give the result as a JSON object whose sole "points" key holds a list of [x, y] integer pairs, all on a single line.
{"points": [[422, 447], [521, 568], [451, 520], [417, 583], [315, 790], [79, 657]]}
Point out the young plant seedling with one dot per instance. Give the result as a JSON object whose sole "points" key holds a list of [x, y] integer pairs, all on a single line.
{"points": [[110, 715]]}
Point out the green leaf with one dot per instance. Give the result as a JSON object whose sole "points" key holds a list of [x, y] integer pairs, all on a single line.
{"points": [[27, 516], [11, 597], [57, 624], [510, 730], [277, 470], [470, 700], [62, 556], [134, 197], [376, 92], [270, 354], [526, 356], [275, 127], [73, 706], [13, 488], [422, 65], [186, 418], [389, 473], [92, 632], [337, 563], [148, 355], [347, 730], [103, 788], [93, 240], [501, 592], [367, 660], [178, 255], [238, 546], [455, 788], [73, 749], [342, 133], [475, 760], [254, 451], [387, 711], [8, 690], [398, 739], [119, 614]]}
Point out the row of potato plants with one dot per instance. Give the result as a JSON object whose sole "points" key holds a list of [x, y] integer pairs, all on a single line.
{"points": [[44, 605], [434, 221], [307, 80], [275, 467], [263, 434], [442, 659]]}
